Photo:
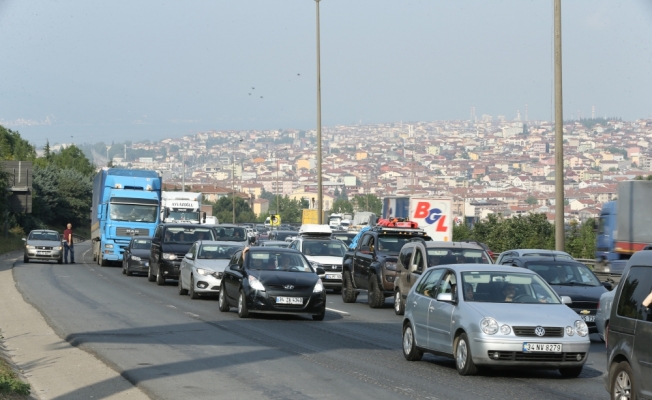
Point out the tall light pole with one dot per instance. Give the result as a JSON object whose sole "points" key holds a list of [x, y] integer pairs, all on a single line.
{"points": [[320, 200], [278, 206], [559, 136], [233, 177]]}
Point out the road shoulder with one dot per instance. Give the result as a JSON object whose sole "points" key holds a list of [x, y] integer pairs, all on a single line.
{"points": [[54, 368]]}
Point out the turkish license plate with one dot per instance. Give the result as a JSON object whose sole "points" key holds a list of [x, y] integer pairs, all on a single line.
{"points": [[542, 347], [588, 318], [333, 276], [43, 253], [289, 300]]}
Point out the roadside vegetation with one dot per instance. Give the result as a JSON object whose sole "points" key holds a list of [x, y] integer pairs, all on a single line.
{"points": [[11, 387], [13, 242]]}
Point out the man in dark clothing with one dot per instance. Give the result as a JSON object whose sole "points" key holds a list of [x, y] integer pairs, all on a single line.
{"points": [[68, 245]]}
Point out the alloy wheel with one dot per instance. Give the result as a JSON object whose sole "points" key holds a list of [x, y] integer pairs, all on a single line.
{"points": [[397, 302], [623, 386], [408, 338], [461, 354]]}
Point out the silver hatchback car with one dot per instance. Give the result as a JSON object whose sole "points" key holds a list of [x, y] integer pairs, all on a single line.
{"points": [[499, 316], [43, 245]]}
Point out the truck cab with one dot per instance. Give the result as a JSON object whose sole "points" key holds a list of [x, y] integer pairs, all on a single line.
{"points": [[182, 207]]}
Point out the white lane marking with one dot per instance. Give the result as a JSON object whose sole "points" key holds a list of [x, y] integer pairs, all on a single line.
{"points": [[338, 311], [191, 314]]}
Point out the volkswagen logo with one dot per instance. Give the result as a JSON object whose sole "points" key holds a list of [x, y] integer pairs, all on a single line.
{"points": [[289, 287], [539, 331]]}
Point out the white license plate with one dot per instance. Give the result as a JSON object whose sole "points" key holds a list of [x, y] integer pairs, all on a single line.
{"points": [[588, 318], [333, 276], [542, 347], [43, 253], [289, 300]]}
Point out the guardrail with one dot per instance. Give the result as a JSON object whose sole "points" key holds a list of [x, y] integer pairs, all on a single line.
{"points": [[78, 239]]}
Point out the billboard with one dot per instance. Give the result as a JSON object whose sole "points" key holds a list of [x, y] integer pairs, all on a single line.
{"points": [[434, 215]]}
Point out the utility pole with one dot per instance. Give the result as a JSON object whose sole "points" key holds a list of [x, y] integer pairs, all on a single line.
{"points": [[320, 199], [233, 177], [559, 136], [183, 179]]}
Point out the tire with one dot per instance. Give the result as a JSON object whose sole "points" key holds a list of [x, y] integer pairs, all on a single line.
{"points": [[399, 304], [463, 360], [243, 311], [320, 316], [103, 262], [622, 385], [60, 261], [348, 294], [410, 351], [375, 296], [26, 259], [191, 291], [160, 279], [129, 273], [182, 291], [124, 271], [150, 276], [573, 372], [223, 303]]}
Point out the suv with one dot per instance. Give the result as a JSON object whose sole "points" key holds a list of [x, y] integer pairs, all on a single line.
{"points": [[322, 251], [170, 244], [629, 334], [371, 265], [281, 235], [532, 253], [418, 255]]}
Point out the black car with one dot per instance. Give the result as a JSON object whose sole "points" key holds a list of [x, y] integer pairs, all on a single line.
{"points": [[272, 280], [344, 236], [281, 235], [136, 256], [170, 244], [568, 278]]}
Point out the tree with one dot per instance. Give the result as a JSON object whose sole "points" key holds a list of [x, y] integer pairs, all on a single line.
{"points": [[367, 202], [223, 210], [13, 147], [72, 157], [342, 206], [531, 200]]}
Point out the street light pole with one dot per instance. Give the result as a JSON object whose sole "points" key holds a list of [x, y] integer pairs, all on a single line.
{"points": [[233, 178], [320, 200], [559, 136]]}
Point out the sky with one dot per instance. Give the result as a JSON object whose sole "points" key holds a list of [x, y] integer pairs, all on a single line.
{"points": [[87, 71]]}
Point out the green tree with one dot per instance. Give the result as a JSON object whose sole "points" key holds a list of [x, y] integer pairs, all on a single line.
{"points": [[367, 202], [531, 200], [14, 147], [72, 157], [342, 206], [223, 210]]}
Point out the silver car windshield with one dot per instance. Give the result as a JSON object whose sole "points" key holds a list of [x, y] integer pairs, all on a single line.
{"points": [[506, 287], [52, 236], [217, 252]]}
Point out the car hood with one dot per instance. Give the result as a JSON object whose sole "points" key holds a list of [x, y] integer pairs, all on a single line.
{"points": [[327, 260], [142, 253], [268, 278], [580, 293], [215, 265], [520, 314], [176, 248], [49, 243]]}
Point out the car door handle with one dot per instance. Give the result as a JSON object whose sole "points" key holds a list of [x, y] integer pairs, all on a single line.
{"points": [[415, 303], [431, 309]]}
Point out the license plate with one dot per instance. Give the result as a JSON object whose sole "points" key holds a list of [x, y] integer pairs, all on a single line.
{"points": [[588, 318], [289, 300], [43, 253], [542, 347], [333, 276]]}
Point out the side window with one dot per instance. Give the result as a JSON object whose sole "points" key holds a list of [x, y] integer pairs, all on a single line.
{"points": [[419, 260], [158, 232], [448, 284], [294, 244], [428, 283], [237, 258], [636, 288], [405, 256], [365, 240]]}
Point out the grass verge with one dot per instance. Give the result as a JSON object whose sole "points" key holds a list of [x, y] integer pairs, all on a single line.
{"points": [[10, 386], [11, 243]]}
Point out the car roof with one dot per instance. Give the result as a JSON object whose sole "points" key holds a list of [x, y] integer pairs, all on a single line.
{"points": [[221, 242], [227, 226], [276, 249], [460, 245], [521, 251], [642, 258], [43, 231], [274, 242], [284, 231], [545, 259], [483, 268]]}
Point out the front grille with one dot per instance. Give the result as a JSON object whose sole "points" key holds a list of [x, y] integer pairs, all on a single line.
{"points": [[332, 268], [132, 232], [281, 287], [529, 331], [43, 247], [541, 357], [584, 305]]}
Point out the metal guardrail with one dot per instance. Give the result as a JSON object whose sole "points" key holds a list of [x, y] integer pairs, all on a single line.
{"points": [[78, 238]]}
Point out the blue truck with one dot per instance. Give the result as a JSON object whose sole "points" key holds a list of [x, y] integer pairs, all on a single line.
{"points": [[126, 203]]}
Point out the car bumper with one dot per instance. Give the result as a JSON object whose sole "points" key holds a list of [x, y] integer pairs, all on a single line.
{"points": [[169, 269], [138, 266], [207, 284], [52, 255], [508, 352], [265, 302], [332, 280]]}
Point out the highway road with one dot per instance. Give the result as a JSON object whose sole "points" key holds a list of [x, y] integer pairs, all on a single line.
{"points": [[173, 347]]}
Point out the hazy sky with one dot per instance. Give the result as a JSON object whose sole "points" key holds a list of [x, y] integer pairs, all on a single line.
{"points": [[153, 69]]}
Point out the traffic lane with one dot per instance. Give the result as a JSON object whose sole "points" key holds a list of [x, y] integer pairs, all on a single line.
{"points": [[165, 351], [364, 356]]}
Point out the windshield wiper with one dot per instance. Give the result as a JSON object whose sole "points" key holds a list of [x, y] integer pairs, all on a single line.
{"points": [[573, 284]]}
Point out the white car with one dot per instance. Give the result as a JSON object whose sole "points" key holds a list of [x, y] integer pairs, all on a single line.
{"points": [[202, 268]]}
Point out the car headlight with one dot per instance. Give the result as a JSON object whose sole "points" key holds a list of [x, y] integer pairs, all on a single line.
{"points": [[135, 258], [570, 331], [30, 247], [108, 246], [255, 284], [218, 275], [505, 329], [59, 248], [204, 272], [489, 326], [581, 328], [391, 266], [169, 256], [319, 287]]}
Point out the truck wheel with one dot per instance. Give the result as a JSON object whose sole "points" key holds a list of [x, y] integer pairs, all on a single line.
{"points": [[376, 297], [103, 262], [399, 306], [348, 294]]}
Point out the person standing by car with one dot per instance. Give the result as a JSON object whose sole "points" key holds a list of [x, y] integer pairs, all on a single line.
{"points": [[68, 245]]}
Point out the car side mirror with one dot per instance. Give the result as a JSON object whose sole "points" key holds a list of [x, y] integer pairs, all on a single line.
{"points": [[320, 270], [566, 300], [415, 268], [24, 239], [365, 250], [189, 256], [608, 286], [445, 297], [234, 267]]}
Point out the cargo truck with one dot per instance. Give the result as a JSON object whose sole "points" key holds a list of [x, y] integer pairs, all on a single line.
{"points": [[624, 227], [182, 207], [433, 214], [126, 203]]}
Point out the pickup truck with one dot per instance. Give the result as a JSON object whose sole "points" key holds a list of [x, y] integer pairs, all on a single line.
{"points": [[371, 265]]}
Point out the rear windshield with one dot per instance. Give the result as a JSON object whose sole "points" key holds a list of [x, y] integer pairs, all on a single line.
{"points": [[443, 256], [187, 234]]}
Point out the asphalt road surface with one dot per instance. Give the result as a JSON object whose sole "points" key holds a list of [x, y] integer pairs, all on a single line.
{"points": [[173, 347]]}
